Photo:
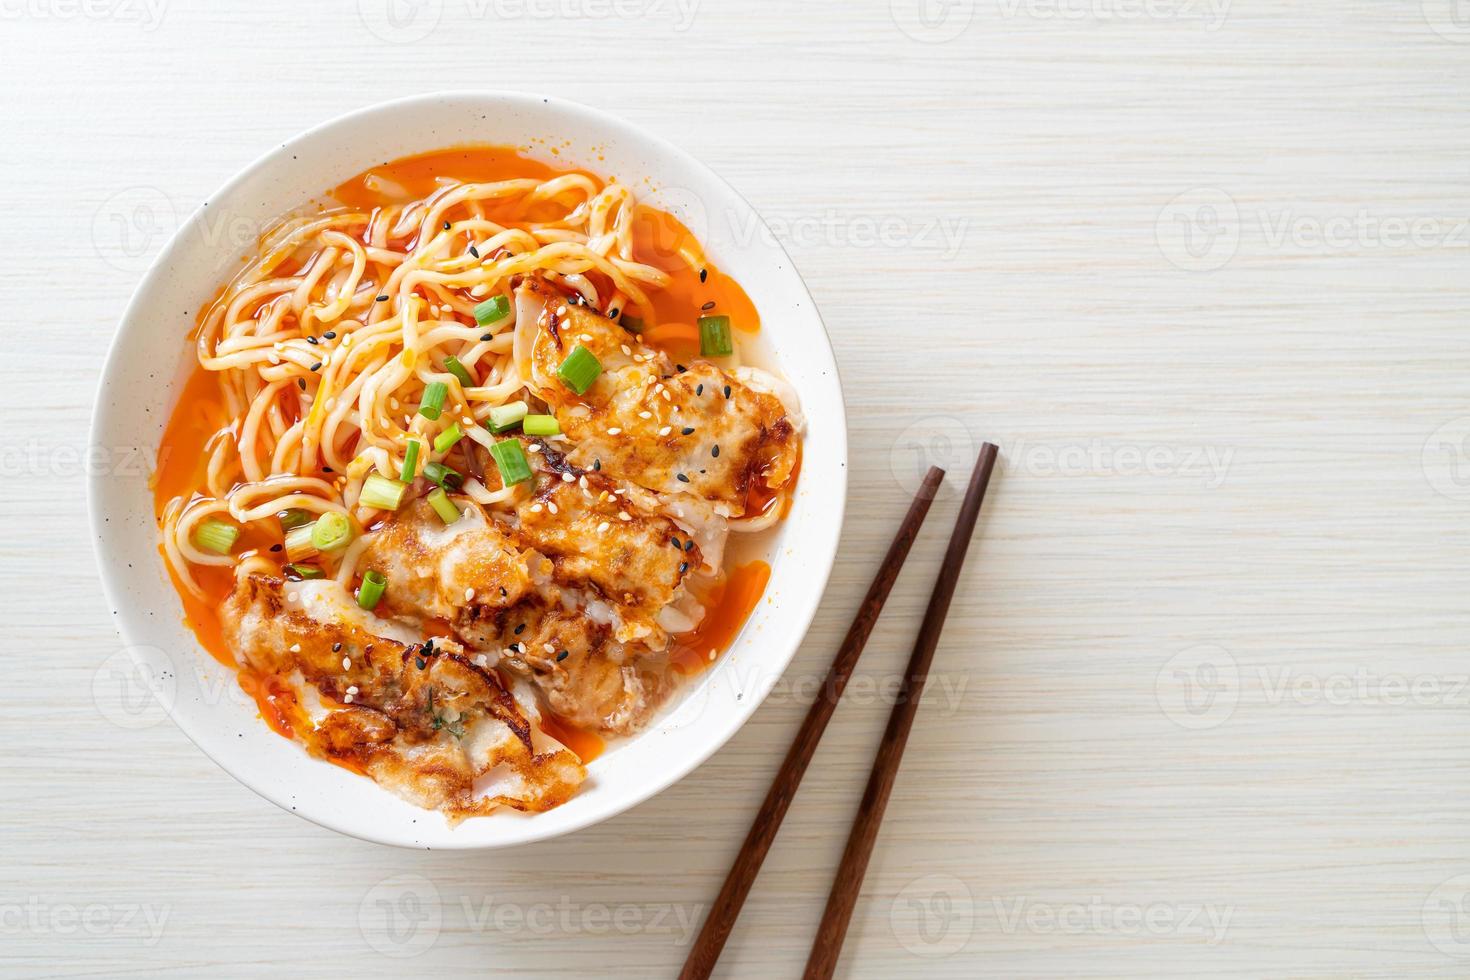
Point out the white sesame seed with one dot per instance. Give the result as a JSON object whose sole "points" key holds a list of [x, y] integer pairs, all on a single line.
{"points": [[347, 699], [548, 648], [627, 351], [296, 648], [665, 430], [645, 415], [585, 337], [568, 478], [346, 663], [561, 311], [535, 508], [469, 595], [551, 506], [614, 431], [624, 515], [534, 447], [393, 404], [582, 482], [712, 654], [352, 689], [602, 528], [668, 397]]}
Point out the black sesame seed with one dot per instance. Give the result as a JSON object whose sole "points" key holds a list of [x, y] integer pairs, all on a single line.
{"points": [[561, 656], [680, 368], [312, 340], [474, 251], [336, 648], [420, 663], [703, 274], [597, 464], [683, 478], [383, 298], [519, 628], [302, 383], [317, 366], [678, 545], [327, 469], [687, 430], [708, 306], [275, 547], [683, 567], [486, 336], [715, 450], [699, 390], [689, 545], [727, 391], [446, 226], [612, 314], [330, 335]]}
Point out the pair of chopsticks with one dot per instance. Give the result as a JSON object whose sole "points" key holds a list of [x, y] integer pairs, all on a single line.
{"points": [[845, 887]]}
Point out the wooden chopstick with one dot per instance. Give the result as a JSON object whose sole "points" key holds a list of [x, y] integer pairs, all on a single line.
{"points": [[711, 940], [827, 946]]}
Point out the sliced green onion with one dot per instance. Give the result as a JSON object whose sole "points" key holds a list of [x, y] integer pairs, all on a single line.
{"points": [[371, 590], [632, 324], [298, 543], [410, 462], [443, 506], [510, 459], [382, 493], [303, 572], [540, 425], [433, 402], [331, 531], [445, 440], [493, 309], [506, 416], [714, 336], [216, 536], [293, 518], [579, 370], [454, 367], [443, 475]]}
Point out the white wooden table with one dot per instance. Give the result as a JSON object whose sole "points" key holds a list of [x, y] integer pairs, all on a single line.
{"points": [[1200, 267]]}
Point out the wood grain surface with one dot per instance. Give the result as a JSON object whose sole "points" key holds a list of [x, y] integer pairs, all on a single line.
{"points": [[1199, 268]]}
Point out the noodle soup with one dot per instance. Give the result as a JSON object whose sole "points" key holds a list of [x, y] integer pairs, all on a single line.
{"points": [[452, 483]]}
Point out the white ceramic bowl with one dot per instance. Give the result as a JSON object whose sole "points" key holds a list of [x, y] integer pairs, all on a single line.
{"points": [[150, 355]]}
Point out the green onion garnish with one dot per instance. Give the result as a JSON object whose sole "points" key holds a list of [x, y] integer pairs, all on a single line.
{"points": [[296, 571], [714, 336], [371, 590], [511, 461], [579, 370], [382, 493], [410, 461], [445, 440], [540, 425], [506, 416], [216, 536], [331, 531], [493, 309], [293, 518], [433, 402], [443, 475], [454, 367], [298, 543], [443, 506]]}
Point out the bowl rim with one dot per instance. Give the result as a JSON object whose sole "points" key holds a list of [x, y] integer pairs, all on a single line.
{"points": [[835, 497]]}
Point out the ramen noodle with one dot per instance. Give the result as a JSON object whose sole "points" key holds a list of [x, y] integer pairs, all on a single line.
{"points": [[452, 483]]}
